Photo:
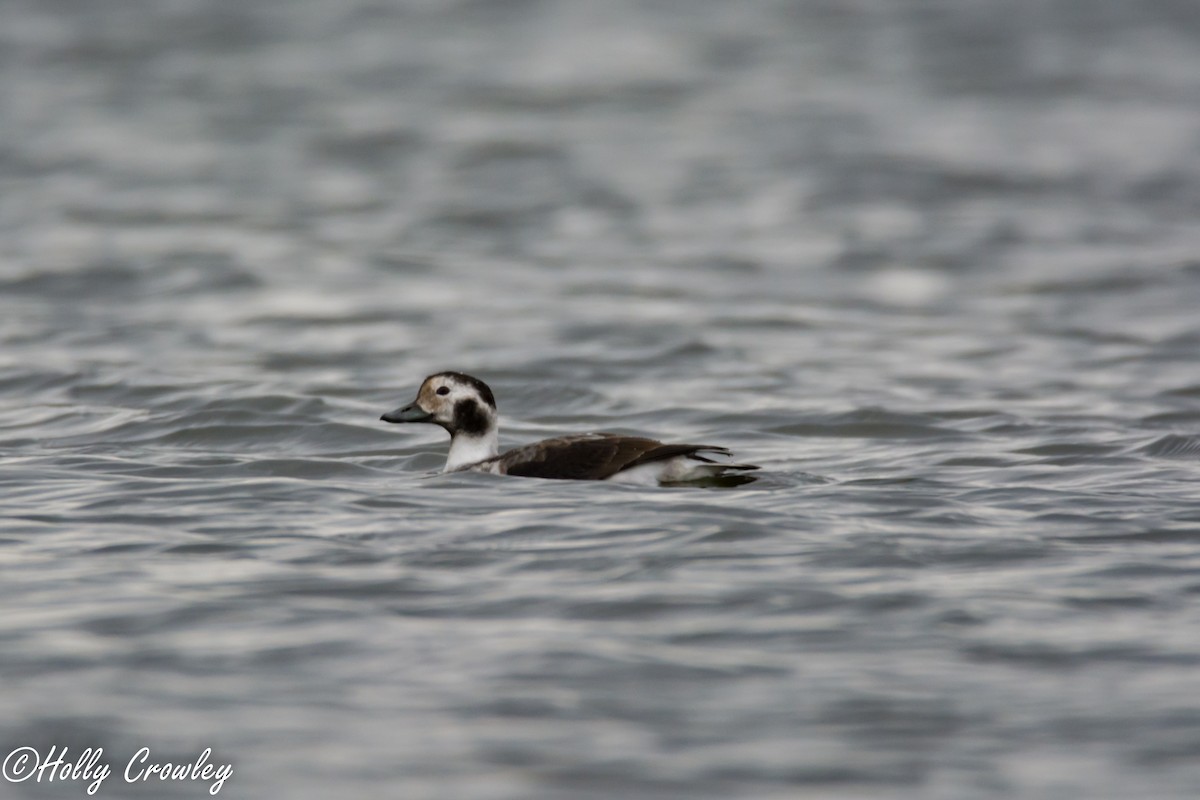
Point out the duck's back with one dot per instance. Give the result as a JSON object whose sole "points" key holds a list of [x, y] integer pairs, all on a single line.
{"points": [[601, 456]]}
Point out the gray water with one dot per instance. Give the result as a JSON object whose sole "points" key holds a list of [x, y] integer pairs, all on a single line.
{"points": [[934, 265]]}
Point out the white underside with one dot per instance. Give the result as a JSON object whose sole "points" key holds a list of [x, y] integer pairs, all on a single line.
{"points": [[669, 470]]}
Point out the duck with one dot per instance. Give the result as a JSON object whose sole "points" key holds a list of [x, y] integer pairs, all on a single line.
{"points": [[465, 407]]}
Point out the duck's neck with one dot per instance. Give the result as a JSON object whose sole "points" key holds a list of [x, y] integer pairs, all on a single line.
{"points": [[466, 450]]}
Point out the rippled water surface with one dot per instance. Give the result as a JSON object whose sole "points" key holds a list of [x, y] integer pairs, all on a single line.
{"points": [[934, 265]]}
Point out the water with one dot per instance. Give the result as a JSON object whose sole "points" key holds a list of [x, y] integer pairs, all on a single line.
{"points": [[933, 265]]}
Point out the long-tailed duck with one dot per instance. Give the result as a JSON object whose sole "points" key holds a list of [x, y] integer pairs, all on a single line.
{"points": [[466, 408]]}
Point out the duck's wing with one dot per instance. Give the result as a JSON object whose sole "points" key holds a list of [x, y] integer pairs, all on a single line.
{"points": [[584, 457], [594, 456]]}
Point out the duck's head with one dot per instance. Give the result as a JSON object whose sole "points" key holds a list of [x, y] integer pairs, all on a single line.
{"points": [[457, 402]]}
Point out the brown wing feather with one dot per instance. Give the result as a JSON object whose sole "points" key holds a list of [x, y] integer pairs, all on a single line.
{"points": [[665, 451], [594, 456], [590, 457]]}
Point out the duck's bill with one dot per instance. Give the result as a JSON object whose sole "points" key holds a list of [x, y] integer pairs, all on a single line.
{"points": [[409, 413]]}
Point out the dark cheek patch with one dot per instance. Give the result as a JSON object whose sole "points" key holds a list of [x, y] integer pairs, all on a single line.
{"points": [[469, 418]]}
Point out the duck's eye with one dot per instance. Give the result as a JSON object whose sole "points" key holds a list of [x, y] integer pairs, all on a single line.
{"points": [[443, 390]]}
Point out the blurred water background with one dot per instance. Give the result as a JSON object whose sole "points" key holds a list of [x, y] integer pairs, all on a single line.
{"points": [[934, 264]]}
